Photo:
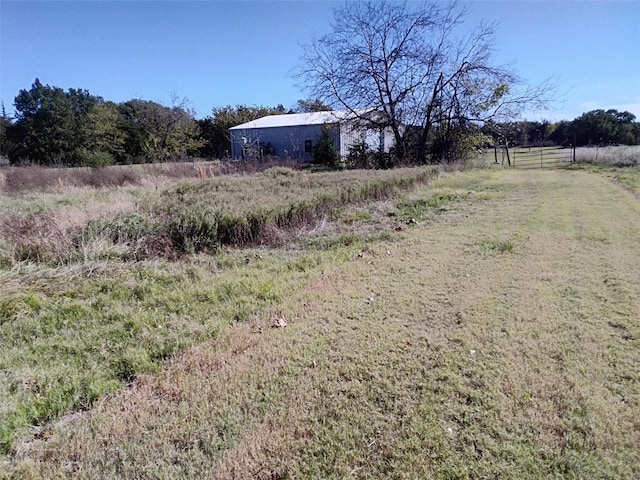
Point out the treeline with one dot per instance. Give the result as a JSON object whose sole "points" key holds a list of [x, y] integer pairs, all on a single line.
{"points": [[74, 127], [54, 127], [597, 127]]}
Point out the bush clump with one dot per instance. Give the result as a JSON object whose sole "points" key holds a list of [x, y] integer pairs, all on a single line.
{"points": [[124, 227], [193, 230], [37, 238]]}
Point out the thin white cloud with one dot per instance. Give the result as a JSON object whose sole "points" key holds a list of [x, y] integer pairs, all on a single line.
{"points": [[590, 105]]}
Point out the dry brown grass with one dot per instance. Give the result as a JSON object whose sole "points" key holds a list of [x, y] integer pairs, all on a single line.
{"points": [[169, 214], [30, 178], [619, 156]]}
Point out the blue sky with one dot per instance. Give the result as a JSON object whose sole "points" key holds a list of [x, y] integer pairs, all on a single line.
{"points": [[219, 53]]}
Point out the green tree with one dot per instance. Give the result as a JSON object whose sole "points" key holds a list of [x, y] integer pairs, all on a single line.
{"points": [[5, 125], [629, 134], [604, 127], [53, 125], [183, 136], [107, 140], [210, 147], [154, 132], [135, 136], [311, 105], [360, 156], [324, 150], [44, 120], [560, 133], [595, 127]]}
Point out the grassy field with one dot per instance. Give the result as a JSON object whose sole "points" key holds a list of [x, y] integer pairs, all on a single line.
{"points": [[86, 303], [484, 326]]}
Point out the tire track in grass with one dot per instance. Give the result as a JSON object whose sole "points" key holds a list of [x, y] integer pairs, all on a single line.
{"points": [[444, 358], [520, 332], [559, 325], [599, 291]]}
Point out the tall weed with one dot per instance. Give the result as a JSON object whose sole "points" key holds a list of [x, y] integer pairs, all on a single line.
{"points": [[621, 156], [202, 215], [37, 238]]}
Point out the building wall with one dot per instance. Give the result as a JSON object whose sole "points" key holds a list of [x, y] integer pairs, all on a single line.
{"points": [[297, 142], [351, 134], [294, 142]]}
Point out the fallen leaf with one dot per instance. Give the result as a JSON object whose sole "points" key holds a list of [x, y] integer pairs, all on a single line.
{"points": [[44, 435], [280, 322]]}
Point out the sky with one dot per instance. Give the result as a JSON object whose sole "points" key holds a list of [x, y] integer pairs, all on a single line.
{"points": [[217, 53]]}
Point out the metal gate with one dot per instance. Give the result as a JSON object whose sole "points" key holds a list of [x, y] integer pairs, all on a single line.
{"points": [[541, 157]]}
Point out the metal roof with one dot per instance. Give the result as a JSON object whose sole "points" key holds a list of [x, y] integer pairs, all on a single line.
{"points": [[294, 119]]}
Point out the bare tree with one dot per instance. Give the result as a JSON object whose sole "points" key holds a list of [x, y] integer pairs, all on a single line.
{"points": [[409, 66]]}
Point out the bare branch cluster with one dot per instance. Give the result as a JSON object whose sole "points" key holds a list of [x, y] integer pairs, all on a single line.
{"points": [[410, 66]]}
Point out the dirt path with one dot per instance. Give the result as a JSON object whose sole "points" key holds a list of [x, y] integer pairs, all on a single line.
{"points": [[501, 340]]}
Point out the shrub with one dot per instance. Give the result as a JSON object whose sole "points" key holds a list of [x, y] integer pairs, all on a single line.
{"points": [[324, 151], [275, 172], [108, 177], [96, 159], [360, 156], [157, 244], [498, 246], [193, 230], [125, 227]]}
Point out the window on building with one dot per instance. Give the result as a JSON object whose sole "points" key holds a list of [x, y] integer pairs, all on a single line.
{"points": [[308, 146]]}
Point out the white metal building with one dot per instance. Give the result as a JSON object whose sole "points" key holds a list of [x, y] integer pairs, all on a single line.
{"points": [[293, 136]]}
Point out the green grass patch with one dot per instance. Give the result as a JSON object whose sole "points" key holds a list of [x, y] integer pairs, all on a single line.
{"points": [[71, 338], [67, 343], [498, 246], [628, 177], [417, 209], [444, 192]]}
